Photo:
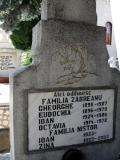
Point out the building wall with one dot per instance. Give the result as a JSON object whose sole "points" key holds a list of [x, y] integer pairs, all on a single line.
{"points": [[115, 10], [104, 15]]}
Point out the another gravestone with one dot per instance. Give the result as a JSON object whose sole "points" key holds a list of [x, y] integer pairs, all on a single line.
{"points": [[67, 98]]}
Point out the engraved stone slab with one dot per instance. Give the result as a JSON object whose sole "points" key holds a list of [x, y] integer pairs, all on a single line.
{"points": [[60, 118]]}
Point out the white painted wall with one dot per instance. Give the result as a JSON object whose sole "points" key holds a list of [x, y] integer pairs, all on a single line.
{"points": [[4, 94], [103, 9], [115, 11], [5, 41]]}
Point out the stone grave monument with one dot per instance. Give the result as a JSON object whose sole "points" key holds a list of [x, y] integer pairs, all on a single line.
{"points": [[65, 104]]}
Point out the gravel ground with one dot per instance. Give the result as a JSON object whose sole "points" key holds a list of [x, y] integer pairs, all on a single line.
{"points": [[5, 156]]}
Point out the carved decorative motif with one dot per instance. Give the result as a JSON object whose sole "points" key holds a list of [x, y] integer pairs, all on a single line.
{"points": [[72, 59]]}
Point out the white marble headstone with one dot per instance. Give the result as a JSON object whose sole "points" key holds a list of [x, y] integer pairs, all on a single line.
{"points": [[64, 118]]}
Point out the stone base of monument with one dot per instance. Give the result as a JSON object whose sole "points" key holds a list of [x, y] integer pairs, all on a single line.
{"points": [[67, 99]]}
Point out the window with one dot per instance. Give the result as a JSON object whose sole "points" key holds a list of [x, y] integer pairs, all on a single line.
{"points": [[108, 39]]}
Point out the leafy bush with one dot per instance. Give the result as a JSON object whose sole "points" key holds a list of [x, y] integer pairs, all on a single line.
{"points": [[21, 36], [13, 12], [26, 58]]}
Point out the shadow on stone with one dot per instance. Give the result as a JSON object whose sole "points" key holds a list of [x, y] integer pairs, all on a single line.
{"points": [[73, 154]]}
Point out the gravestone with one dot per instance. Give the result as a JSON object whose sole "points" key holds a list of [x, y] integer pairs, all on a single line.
{"points": [[9, 61], [67, 99], [6, 61]]}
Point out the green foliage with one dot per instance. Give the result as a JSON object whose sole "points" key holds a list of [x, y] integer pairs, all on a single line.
{"points": [[19, 16], [26, 58], [13, 12], [22, 35]]}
